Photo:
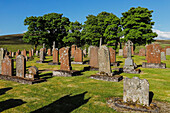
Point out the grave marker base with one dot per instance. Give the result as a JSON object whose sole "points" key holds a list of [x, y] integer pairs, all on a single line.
{"points": [[53, 63], [76, 62], [115, 78], [21, 80], [153, 65], [64, 73], [114, 64]]}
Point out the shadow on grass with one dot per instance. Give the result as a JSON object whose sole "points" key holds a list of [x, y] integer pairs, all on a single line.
{"points": [[4, 90], [10, 103], [46, 76], [65, 104]]}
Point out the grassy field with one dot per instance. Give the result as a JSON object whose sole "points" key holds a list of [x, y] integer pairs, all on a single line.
{"points": [[78, 94]]}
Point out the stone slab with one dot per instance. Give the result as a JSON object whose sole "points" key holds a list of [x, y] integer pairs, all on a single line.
{"points": [[153, 65], [64, 73], [21, 80], [76, 62], [52, 63], [132, 71], [115, 78]]}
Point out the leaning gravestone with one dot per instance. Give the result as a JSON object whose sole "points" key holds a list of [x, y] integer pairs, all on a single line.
{"points": [[129, 66], [136, 90], [94, 64], [104, 61], [153, 56], [7, 66], [78, 56], [20, 66]]}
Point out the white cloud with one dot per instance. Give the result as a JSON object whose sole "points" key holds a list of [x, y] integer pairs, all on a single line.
{"points": [[24, 31], [162, 35]]}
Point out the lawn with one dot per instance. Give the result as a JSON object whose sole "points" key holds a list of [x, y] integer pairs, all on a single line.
{"points": [[78, 94]]}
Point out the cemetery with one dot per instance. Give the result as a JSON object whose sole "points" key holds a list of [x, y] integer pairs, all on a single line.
{"points": [[106, 65]]}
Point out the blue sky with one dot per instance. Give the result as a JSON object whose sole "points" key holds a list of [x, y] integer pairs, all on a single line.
{"points": [[13, 12]]}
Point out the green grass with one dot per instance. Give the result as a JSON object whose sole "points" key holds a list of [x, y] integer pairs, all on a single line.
{"points": [[58, 91]]}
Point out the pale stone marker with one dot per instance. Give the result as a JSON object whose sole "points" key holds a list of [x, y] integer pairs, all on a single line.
{"points": [[36, 53], [42, 55], [120, 52], [136, 90], [104, 60], [168, 51], [163, 56], [20, 66]]}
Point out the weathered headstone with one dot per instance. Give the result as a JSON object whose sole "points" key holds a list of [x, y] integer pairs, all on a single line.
{"points": [[30, 53], [84, 52], [43, 45], [55, 56], [20, 66], [49, 52], [78, 56], [153, 55], [89, 50], [163, 56], [42, 56], [104, 61], [16, 54], [53, 45], [136, 90], [94, 57], [32, 73], [24, 53], [73, 49], [10, 53], [125, 52], [142, 52], [19, 52], [7, 66], [120, 52], [65, 59]]}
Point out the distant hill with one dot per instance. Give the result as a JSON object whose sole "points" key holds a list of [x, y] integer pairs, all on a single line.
{"points": [[11, 39]]}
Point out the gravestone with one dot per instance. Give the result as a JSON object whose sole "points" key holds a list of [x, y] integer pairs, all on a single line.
{"points": [[53, 45], [120, 52], [32, 73], [1, 58], [13, 54], [136, 90], [78, 56], [65, 59], [104, 61], [49, 52], [125, 52], [168, 51], [94, 57], [163, 56], [113, 57], [84, 52], [24, 53], [73, 49], [129, 66], [36, 53], [30, 53], [19, 52], [7, 66], [142, 52], [20, 66], [42, 56], [55, 57], [153, 55], [43, 45]]}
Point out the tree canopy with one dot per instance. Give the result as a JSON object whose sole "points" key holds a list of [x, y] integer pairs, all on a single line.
{"points": [[74, 34], [104, 25], [137, 26], [46, 29]]}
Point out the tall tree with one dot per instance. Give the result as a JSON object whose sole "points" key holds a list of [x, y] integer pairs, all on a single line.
{"points": [[46, 29], [35, 33], [137, 26], [104, 25], [74, 34]]}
